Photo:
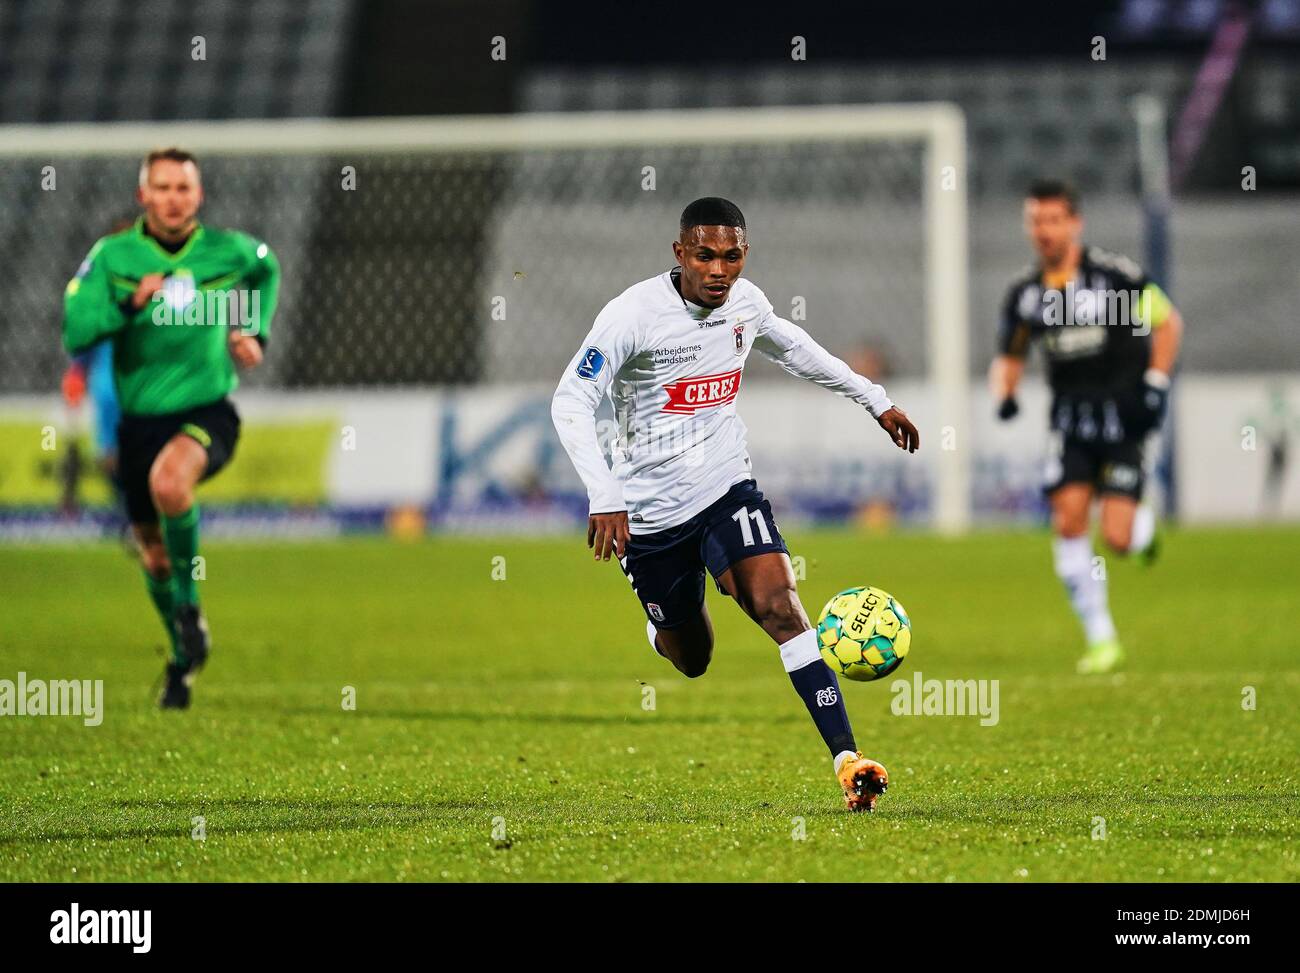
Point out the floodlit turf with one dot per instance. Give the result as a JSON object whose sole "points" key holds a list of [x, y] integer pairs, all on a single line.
{"points": [[515, 706]]}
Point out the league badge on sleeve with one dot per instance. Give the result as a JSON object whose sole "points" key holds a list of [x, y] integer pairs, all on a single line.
{"points": [[593, 362]]}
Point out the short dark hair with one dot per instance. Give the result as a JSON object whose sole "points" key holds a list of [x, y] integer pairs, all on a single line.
{"points": [[712, 211], [171, 154], [1055, 189]]}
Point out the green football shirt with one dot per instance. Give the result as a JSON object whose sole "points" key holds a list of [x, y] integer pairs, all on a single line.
{"points": [[171, 354]]}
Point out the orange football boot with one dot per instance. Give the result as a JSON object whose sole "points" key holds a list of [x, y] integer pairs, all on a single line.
{"points": [[863, 781]]}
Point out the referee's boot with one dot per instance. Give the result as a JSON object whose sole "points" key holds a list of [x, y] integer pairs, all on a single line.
{"points": [[194, 642]]}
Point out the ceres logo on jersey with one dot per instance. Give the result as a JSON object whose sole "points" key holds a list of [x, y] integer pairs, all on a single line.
{"points": [[688, 395]]}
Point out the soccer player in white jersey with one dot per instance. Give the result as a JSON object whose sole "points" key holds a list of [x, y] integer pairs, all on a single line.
{"points": [[681, 497]]}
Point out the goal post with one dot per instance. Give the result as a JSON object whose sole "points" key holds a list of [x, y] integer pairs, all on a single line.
{"points": [[947, 308], [888, 182]]}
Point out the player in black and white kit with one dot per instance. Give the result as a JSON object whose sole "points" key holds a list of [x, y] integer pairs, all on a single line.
{"points": [[681, 497], [1110, 337]]}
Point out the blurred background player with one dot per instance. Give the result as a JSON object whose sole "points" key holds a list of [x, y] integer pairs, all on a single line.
{"points": [[161, 292], [1111, 338], [90, 374], [670, 352], [1275, 427]]}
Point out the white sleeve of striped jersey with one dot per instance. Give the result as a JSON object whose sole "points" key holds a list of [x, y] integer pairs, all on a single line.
{"points": [[794, 349], [573, 407]]}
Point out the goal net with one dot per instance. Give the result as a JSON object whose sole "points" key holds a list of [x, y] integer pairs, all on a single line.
{"points": [[466, 258]]}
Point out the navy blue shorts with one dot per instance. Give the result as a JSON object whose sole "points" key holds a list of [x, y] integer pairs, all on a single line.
{"points": [[667, 568]]}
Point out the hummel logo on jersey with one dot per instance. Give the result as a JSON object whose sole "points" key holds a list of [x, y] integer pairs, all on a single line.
{"points": [[689, 395], [827, 696]]}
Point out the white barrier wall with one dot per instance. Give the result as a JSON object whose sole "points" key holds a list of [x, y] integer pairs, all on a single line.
{"points": [[1237, 446]]}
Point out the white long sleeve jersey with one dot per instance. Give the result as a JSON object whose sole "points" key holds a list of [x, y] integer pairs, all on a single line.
{"points": [[673, 370]]}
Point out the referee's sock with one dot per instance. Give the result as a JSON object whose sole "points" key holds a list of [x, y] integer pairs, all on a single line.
{"points": [[181, 535], [163, 594]]}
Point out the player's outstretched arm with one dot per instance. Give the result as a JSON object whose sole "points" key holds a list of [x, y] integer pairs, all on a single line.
{"points": [[795, 350], [900, 429], [574, 415], [573, 410]]}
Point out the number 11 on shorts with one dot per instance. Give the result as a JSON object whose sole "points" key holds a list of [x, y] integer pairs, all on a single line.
{"points": [[743, 516]]}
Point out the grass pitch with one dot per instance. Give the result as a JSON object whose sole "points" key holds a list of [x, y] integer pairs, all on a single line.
{"points": [[500, 733]]}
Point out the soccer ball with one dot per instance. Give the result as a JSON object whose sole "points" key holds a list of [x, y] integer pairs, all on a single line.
{"points": [[864, 633]]}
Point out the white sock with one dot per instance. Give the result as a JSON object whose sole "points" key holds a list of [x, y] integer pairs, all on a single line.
{"points": [[800, 651], [842, 756], [651, 632], [1074, 567], [1144, 529]]}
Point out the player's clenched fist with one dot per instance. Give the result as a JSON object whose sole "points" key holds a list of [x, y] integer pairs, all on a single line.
{"points": [[900, 429], [150, 284], [608, 532], [246, 350]]}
